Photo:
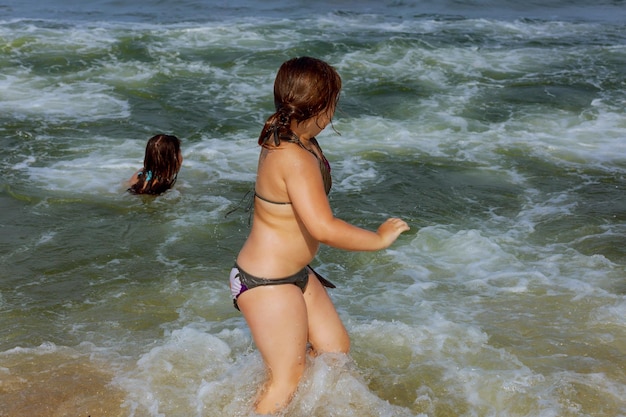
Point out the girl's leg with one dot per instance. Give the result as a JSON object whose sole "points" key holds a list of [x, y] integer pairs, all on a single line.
{"points": [[326, 331], [277, 318]]}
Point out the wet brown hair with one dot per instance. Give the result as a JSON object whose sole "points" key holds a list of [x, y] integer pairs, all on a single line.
{"points": [[161, 164], [305, 87]]}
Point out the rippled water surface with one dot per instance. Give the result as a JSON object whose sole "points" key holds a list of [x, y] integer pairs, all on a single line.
{"points": [[497, 131]]}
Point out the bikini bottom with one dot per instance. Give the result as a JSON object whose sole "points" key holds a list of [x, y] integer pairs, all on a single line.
{"points": [[241, 281]]}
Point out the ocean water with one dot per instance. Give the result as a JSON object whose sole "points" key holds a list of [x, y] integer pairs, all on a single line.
{"points": [[497, 129]]}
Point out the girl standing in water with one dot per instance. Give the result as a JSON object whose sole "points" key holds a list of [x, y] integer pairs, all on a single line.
{"points": [[283, 301]]}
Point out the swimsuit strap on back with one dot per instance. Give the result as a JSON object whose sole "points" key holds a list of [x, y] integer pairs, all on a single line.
{"points": [[257, 195]]}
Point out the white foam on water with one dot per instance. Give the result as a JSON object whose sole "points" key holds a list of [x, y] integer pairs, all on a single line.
{"points": [[244, 35], [56, 96], [233, 160], [195, 373], [498, 264], [439, 315], [166, 378], [81, 101], [333, 385], [452, 365], [436, 121], [611, 314]]}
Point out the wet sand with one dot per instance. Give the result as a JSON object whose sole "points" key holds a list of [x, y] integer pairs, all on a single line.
{"points": [[56, 384]]}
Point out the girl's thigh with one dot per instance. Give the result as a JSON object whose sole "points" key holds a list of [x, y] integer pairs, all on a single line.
{"points": [[278, 321], [326, 330]]}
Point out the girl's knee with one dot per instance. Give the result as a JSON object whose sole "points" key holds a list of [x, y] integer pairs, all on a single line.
{"points": [[339, 345]]}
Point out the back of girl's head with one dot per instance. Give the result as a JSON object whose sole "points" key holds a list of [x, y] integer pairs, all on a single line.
{"points": [[161, 164], [305, 87]]}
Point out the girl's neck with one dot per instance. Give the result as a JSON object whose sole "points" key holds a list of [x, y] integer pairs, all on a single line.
{"points": [[307, 129]]}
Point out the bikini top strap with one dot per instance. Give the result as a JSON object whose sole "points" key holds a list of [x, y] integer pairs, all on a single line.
{"points": [[319, 155], [324, 166]]}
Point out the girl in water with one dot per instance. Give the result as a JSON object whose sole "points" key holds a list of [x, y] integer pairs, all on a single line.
{"points": [[161, 163], [282, 299]]}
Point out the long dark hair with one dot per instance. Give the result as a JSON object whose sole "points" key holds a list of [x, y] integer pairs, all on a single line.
{"points": [[305, 87], [161, 164]]}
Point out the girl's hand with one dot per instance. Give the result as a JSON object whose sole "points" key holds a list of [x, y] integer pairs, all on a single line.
{"points": [[391, 229]]}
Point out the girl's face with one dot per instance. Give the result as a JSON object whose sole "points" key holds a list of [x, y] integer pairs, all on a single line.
{"points": [[323, 119]]}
